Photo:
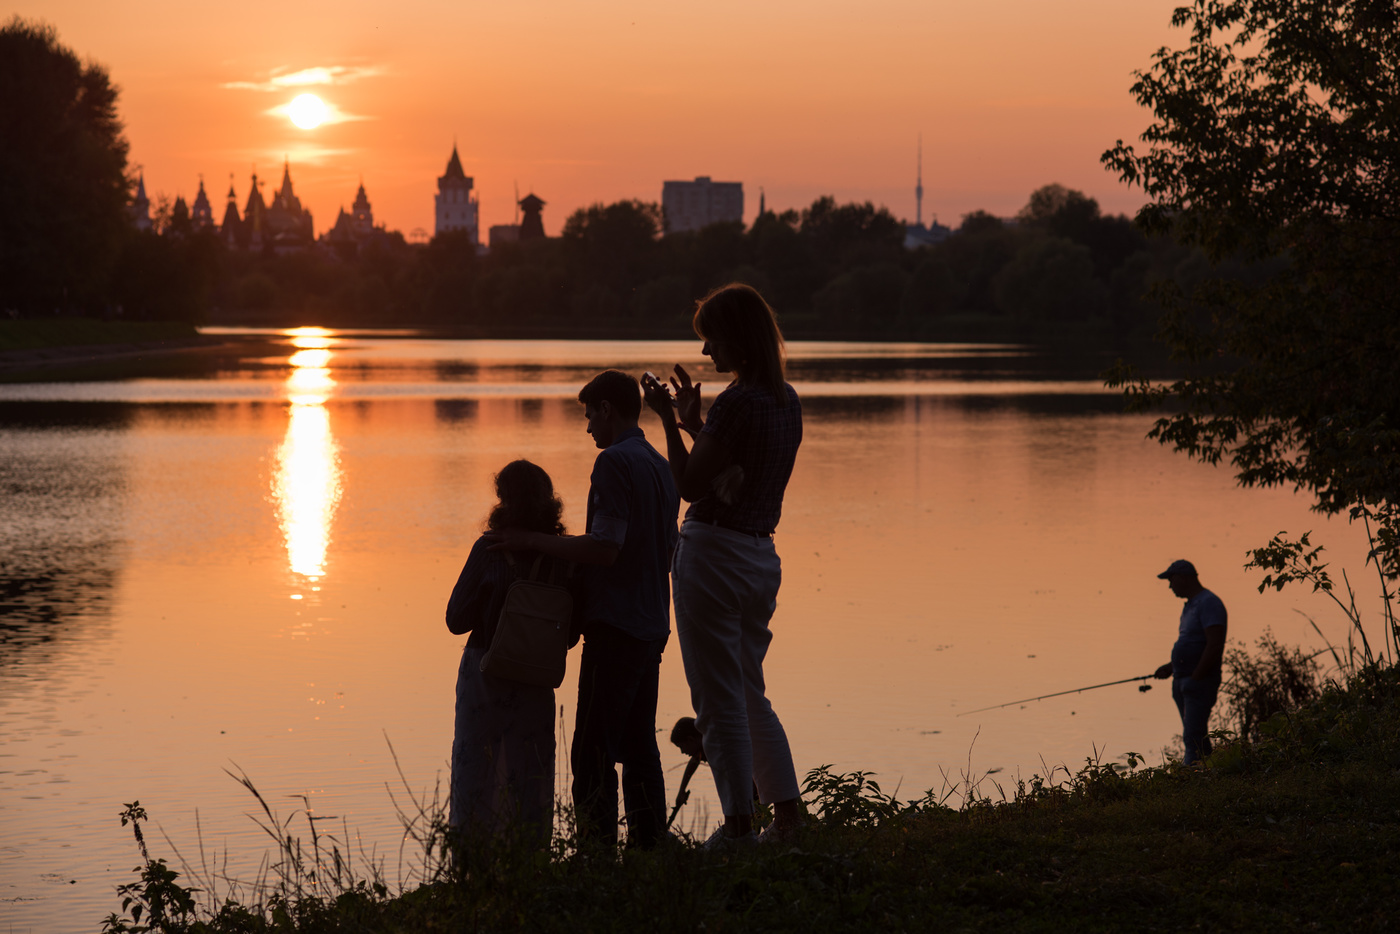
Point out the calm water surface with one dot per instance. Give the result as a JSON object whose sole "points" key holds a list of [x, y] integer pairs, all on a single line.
{"points": [[247, 571]]}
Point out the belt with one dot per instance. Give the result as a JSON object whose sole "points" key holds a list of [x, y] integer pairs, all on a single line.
{"points": [[733, 528]]}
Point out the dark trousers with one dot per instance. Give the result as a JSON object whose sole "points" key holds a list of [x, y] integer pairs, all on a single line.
{"points": [[1194, 700], [616, 723]]}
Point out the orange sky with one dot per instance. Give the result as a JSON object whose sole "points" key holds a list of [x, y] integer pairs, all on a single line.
{"points": [[596, 101]]}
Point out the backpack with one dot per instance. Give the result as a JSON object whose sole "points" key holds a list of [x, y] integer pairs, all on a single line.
{"points": [[533, 634]]}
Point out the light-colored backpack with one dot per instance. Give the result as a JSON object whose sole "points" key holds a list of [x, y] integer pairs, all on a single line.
{"points": [[533, 634]]}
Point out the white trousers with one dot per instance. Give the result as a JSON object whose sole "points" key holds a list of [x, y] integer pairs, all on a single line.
{"points": [[726, 588]]}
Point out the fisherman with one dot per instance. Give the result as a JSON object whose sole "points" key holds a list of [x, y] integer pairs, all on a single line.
{"points": [[1196, 656]]}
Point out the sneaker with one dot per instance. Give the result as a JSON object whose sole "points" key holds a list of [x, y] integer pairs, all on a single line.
{"points": [[720, 841], [781, 833]]}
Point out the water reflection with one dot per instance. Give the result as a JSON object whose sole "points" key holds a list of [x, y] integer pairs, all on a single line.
{"points": [[60, 545], [307, 485]]}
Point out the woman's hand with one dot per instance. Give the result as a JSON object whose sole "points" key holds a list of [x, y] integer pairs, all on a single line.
{"points": [[657, 396], [687, 400]]}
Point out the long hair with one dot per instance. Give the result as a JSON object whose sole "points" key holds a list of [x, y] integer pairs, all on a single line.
{"points": [[738, 317], [526, 500]]}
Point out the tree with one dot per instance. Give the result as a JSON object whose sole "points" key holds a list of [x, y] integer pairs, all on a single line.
{"points": [[63, 186], [1049, 281], [1275, 143], [1073, 215], [842, 237], [613, 248]]}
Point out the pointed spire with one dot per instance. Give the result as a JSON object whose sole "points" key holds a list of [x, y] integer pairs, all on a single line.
{"points": [[286, 191], [454, 166], [201, 212], [762, 204], [141, 187], [255, 205]]}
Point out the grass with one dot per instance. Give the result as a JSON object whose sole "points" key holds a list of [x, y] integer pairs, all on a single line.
{"points": [[1298, 830], [46, 333]]}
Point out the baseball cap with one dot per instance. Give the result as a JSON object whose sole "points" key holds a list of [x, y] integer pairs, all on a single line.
{"points": [[1180, 566]]}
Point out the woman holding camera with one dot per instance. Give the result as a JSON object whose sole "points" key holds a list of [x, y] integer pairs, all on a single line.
{"points": [[726, 571]]}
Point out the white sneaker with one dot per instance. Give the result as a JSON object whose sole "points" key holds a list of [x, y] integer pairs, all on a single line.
{"points": [[719, 841], [776, 833]]}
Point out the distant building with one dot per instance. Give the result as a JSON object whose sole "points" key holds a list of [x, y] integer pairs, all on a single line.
{"points": [[455, 204], [357, 223], [250, 233], [916, 234], [692, 205], [140, 208], [288, 226], [202, 213], [179, 222], [532, 224], [232, 225], [504, 233], [530, 227], [355, 227], [281, 225]]}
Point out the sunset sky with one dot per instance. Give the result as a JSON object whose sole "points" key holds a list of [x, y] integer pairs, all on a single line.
{"points": [[587, 102]]}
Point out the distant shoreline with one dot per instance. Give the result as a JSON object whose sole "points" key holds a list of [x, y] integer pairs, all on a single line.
{"points": [[82, 349]]}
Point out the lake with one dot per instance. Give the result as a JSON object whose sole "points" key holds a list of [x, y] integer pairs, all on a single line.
{"points": [[245, 569]]}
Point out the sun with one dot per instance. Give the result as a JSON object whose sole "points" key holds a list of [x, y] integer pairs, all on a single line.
{"points": [[308, 111]]}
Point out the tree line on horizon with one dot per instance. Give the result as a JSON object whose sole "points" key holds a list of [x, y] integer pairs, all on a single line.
{"points": [[67, 247]]}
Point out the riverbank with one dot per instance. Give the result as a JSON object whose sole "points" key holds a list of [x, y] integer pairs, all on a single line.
{"points": [[1299, 831], [63, 349]]}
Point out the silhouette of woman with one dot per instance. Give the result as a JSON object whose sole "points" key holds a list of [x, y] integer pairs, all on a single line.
{"points": [[726, 572]]}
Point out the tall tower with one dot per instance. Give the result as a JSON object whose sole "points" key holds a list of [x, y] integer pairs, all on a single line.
{"points": [[140, 208], [532, 226], [919, 187], [361, 214], [202, 213], [456, 205], [232, 228]]}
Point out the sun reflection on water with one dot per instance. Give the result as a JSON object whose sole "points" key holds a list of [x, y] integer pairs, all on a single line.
{"points": [[307, 484]]}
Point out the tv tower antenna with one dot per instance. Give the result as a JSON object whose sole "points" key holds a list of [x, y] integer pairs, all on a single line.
{"points": [[919, 187]]}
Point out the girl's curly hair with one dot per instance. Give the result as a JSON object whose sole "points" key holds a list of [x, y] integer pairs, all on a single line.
{"points": [[526, 500]]}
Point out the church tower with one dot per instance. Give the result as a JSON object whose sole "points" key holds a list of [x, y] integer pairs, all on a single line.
{"points": [[254, 215], [232, 228], [361, 215], [455, 203], [140, 207], [202, 213]]}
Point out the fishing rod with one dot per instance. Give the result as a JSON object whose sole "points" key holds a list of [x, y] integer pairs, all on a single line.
{"points": [[683, 795], [1108, 684]]}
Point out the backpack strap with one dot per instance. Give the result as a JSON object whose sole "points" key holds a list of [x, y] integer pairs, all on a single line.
{"points": [[534, 572]]}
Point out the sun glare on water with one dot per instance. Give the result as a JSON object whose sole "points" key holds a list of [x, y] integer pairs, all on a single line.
{"points": [[307, 111]]}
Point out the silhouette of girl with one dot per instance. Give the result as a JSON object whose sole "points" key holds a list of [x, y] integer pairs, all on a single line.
{"points": [[503, 744]]}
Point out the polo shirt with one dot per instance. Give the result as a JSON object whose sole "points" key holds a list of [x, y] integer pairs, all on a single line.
{"points": [[1199, 613], [632, 503]]}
